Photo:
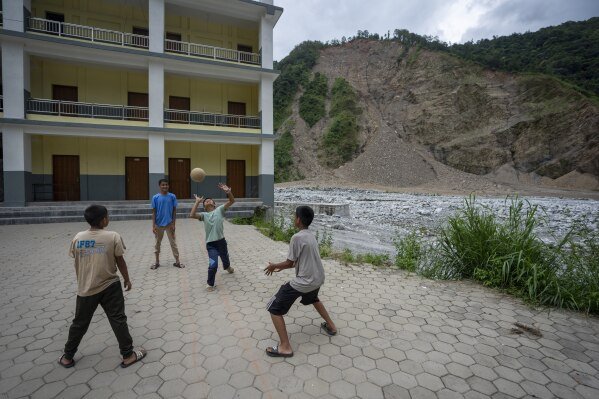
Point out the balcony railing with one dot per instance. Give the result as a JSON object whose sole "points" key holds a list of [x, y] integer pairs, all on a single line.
{"points": [[209, 119], [215, 53], [86, 110], [90, 33], [1, 103], [1, 19]]}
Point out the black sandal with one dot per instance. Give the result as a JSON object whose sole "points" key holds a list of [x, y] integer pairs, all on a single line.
{"points": [[139, 354], [274, 352], [66, 366], [155, 266], [327, 329], [179, 265]]}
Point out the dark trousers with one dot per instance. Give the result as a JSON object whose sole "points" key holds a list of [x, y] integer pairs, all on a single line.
{"points": [[113, 303], [216, 249]]}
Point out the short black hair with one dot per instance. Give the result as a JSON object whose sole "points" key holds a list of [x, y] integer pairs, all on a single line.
{"points": [[162, 180], [94, 214], [206, 199], [305, 214]]}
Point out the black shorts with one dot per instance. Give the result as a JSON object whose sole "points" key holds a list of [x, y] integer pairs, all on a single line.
{"points": [[281, 302]]}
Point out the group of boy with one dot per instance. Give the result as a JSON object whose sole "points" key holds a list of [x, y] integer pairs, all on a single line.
{"points": [[98, 254]]}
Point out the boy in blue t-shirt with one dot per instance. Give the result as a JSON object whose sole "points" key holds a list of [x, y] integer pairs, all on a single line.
{"points": [[164, 216], [216, 244]]}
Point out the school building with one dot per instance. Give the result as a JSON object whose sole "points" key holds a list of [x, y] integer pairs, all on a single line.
{"points": [[102, 98]]}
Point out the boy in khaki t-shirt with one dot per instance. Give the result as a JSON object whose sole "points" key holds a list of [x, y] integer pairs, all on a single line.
{"points": [[98, 254]]}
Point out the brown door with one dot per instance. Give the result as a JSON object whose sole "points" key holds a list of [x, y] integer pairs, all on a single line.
{"points": [[235, 109], [137, 178], [178, 177], [65, 93], [179, 103], [137, 100], [55, 28], [65, 177], [236, 177], [170, 46]]}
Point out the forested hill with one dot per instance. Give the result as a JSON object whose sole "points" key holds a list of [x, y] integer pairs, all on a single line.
{"points": [[402, 110], [569, 51]]}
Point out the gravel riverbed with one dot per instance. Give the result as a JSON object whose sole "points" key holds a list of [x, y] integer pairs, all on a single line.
{"points": [[377, 217]]}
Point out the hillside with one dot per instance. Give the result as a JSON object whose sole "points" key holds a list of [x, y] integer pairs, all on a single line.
{"points": [[430, 118]]}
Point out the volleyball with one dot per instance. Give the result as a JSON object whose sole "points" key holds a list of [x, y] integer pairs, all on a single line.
{"points": [[198, 175]]}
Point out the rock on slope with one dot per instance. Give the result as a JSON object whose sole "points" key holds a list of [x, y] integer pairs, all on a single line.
{"points": [[430, 118]]}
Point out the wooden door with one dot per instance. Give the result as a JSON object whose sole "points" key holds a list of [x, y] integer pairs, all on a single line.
{"points": [[179, 103], [137, 178], [137, 100], [178, 177], [235, 109], [65, 93], [54, 29], [236, 177], [65, 178]]}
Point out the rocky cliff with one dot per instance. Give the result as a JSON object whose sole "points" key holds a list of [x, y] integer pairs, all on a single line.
{"points": [[431, 118]]}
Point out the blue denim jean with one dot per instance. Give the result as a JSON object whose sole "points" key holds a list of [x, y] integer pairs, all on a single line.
{"points": [[216, 249]]}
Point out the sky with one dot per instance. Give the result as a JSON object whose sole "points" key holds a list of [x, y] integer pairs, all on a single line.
{"points": [[454, 21]]}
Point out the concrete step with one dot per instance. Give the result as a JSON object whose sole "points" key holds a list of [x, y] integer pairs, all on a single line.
{"points": [[118, 210]]}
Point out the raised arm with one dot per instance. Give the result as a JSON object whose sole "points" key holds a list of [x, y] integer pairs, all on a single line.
{"points": [[227, 191], [194, 208]]}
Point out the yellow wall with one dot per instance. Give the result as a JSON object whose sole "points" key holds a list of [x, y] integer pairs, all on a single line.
{"points": [[103, 156], [123, 17], [97, 156], [211, 96], [213, 157], [204, 30], [95, 85]]}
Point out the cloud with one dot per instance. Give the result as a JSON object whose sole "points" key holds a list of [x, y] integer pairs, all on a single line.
{"points": [[451, 20]]}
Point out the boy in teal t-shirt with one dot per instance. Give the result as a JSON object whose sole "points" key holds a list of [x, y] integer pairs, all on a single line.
{"points": [[216, 245]]}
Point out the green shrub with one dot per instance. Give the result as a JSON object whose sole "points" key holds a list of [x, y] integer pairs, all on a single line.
{"points": [[325, 243], [410, 252], [284, 170], [375, 259]]}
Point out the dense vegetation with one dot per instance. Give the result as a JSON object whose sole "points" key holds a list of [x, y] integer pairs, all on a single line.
{"points": [[507, 253], [312, 102], [340, 140], [284, 170]]}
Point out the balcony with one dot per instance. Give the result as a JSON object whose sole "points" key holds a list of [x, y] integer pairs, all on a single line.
{"points": [[215, 53], [2, 103], [88, 33], [86, 110], [130, 113], [210, 119]]}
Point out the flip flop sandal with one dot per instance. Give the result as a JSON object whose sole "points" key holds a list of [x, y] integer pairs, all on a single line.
{"points": [[179, 265], [326, 329], [139, 354], [155, 266], [274, 352], [66, 366]]}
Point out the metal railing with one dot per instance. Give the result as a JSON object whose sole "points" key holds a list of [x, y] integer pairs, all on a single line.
{"points": [[90, 33], [216, 53], [1, 103], [1, 19], [209, 119], [86, 110]]}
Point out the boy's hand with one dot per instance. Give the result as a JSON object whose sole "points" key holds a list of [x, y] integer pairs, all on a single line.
{"points": [[224, 187], [154, 229], [172, 226], [127, 285], [271, 268], [198, 199]]}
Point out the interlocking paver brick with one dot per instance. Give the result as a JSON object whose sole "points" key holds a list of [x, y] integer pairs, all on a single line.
{"points": [[452, 340]]}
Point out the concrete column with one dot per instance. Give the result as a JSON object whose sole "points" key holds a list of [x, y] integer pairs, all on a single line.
{"points": [[13, 14], [266, 47], [156, 160], [16, 148], [266, 104], [15, 79], [266, 168], [156, 93], [156, 21]]}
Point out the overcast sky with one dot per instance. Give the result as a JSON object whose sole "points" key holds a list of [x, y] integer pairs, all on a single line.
{"points": [[453, 21]]}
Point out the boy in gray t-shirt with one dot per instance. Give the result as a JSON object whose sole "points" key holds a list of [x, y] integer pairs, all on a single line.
{"points": [[309, 276]]}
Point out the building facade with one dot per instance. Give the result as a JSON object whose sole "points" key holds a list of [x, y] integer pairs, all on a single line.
{"points": [[102, 98]]}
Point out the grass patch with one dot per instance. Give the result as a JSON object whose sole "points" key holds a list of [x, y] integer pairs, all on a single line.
{"points": [[410, 252], [508, 254]]}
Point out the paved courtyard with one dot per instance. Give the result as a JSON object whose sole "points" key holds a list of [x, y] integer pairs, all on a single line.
{"points": [[400, 336]]}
